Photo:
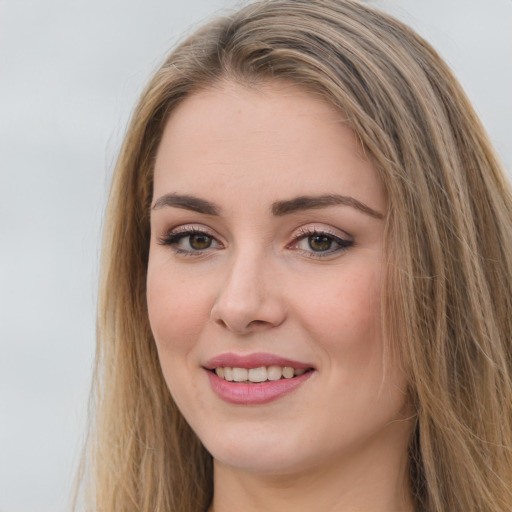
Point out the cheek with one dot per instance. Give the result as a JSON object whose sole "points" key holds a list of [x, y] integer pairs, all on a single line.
{"points": [[177, 309], [344, 316]]}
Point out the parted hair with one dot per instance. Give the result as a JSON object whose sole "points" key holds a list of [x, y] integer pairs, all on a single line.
{"points": [[447, 294]]}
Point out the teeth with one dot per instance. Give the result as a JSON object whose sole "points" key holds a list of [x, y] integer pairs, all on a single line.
{"points": [[260, 374], [240, 374], [274, 372], [228, 374], [287, 372]]}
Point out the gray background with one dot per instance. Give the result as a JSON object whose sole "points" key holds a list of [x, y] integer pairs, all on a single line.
{"points": [[70, 72]]}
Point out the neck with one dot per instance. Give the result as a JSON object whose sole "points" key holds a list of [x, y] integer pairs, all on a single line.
{"points": [[369, 481]]}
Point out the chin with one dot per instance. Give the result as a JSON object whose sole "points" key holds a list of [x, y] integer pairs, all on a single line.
{"points": [[262, 451], [269, 462]]}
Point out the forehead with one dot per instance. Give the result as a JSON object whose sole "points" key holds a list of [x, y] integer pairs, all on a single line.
{"points": [[273, 141]]}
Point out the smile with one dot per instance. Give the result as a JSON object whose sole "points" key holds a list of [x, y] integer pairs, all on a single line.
{"points": [[258, 375], [256, 378]]}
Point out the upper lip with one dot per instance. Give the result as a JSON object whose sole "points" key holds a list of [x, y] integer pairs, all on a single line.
{"points": [[254, 360]]}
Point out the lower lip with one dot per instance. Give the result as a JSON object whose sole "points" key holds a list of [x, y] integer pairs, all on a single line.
{"points": [[255, 394]]}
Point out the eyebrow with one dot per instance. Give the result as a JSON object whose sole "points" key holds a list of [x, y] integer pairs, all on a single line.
{"points": [[302, 203], [187, 202], [279, 208]]}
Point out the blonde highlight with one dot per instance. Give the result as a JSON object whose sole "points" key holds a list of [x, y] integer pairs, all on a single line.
{"points": [[447, 304]]}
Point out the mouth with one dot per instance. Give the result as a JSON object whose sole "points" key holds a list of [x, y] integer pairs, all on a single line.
{"points": [[255, 379], [258, 375]]}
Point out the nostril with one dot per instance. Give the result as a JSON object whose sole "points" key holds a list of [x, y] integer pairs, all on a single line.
{"points": [[257, 323], [221, 322], [251, 326]]}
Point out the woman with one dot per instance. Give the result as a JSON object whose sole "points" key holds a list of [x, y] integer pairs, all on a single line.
{"points": [[307, 279]]}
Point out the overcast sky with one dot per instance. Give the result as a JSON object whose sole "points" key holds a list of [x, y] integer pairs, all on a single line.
{"points": [[70, 72]]}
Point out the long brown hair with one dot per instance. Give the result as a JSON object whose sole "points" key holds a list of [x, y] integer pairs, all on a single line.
{"points": [[447, 304]]}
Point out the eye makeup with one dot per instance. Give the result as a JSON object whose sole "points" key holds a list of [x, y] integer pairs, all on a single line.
{"points": [[310, 241]]}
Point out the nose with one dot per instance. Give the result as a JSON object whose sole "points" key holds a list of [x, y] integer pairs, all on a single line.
{"points": [[249, 299]]}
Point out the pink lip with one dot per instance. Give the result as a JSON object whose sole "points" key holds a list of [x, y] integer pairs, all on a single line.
{"points": [[252, 361], [254, 394]]}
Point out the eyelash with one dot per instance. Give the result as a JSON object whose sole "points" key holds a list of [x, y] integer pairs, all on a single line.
{"points": [[308, 233], [173, 239]]}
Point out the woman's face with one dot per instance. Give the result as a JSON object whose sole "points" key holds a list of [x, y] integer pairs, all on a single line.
{"points": [[265, 266]]}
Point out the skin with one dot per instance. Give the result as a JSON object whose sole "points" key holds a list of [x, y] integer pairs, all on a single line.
{"points": [[339, 441]]}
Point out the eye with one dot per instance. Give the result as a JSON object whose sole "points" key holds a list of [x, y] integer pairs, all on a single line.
{"points": [[199, 241], [318, 243], [189, 241]]}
